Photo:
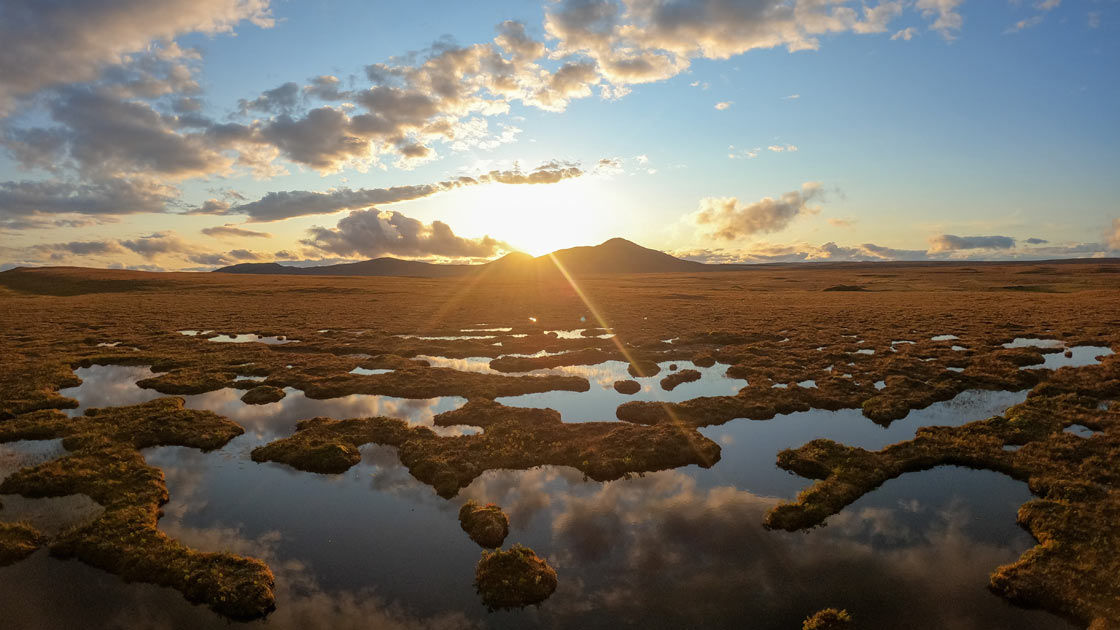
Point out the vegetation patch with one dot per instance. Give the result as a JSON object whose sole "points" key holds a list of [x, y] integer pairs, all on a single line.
{"points": [[17, 541], [669, 383], [105, 464], [487, 524], [513, 438], [1072, 571], [627, 387], [827, 619], [513, 579], [263, 395]]}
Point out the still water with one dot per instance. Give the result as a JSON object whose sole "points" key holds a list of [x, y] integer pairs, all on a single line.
{"points": [[374, 548]]}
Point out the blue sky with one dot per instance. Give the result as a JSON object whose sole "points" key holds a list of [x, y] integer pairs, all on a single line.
{"points": [[947, 117]]}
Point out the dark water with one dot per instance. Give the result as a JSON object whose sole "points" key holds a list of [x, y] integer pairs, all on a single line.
{"points": [[374, 548]]}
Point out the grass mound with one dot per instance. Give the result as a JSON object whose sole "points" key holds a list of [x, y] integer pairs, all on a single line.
{"points": [[487, 524], [513, 579], [827, 619]]}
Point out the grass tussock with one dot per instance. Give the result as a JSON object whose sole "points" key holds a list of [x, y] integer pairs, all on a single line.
{"points": [[105, 464], [514, 578], [487, 524], [827, 619], [17, 541], [513, 438], [1072, 571]]}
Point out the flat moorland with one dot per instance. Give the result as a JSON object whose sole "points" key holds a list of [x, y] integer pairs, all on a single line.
{"points": [[884, 338]]}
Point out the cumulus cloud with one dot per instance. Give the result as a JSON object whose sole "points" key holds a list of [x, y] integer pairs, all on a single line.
{"points": [[279, 205], [48, 43], [951, 243], [905, 34], [157, 244], [946, 20], [722, 105], [372, 233], [801, 252], [727, 218], [60, 251], [1036, 241], [232, 231], [25, 198]]}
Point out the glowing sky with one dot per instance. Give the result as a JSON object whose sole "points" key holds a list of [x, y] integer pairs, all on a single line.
{"points": [[189, 134]]}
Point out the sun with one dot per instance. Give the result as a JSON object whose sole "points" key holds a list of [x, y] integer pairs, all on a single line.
{"points": [[535, 219]]}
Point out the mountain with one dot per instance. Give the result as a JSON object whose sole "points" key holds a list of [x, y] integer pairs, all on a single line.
{"points": [[617, 255]]}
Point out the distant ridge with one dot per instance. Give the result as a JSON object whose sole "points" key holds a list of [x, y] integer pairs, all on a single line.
{"points": [[617, 255]]}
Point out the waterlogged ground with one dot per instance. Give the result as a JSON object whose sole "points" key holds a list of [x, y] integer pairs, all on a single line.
{"points": [[374, 547]]}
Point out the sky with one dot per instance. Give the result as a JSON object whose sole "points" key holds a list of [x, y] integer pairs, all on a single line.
{"points": [[192, 134]]}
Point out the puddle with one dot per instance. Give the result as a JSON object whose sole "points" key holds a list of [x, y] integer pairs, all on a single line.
{"points": [[944, 338], [599, 404], [252, 338], [114, 385], [577, 333], [485, 329], [1080, 431], [1034, 342], [1079, 356], [446, 337], [369, 372], [755, 444]]}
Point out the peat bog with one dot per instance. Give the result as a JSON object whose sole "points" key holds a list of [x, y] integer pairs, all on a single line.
{"points": [[277, 459]]}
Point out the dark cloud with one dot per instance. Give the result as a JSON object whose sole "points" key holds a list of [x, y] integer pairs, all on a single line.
{"points": [[60, 251], [279, 100], [158, 244], [1036, 241], [726, 218], [373, 233], [951, 243], [50, 43], [279, 205], [112, 197]]}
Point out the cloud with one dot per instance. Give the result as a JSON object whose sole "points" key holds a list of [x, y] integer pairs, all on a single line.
{"points": [[1114, 237], [946, 20], [791, 97], [726, 218], [373, 233], [952, 243], [158, 244], [722, 105], [1024, 24], [838, 222], [232, 231], [112, 197], [276, 206], [1036, 241], [905, 34], [281, 99], [778, 148], [60, 251], [101, 135], [801, 252], [50, 43]]}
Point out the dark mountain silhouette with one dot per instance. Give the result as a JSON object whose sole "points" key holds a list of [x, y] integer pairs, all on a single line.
{"points": [[617, 255]]}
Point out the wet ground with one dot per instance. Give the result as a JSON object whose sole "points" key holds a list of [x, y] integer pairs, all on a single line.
{"points": [[375, 548]]}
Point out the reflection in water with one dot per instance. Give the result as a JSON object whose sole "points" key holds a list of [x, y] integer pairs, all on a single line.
{"points": [[115, 385], [250, 338], [1080, 356], [600, 402], [1034, 342], [373, 547]]}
